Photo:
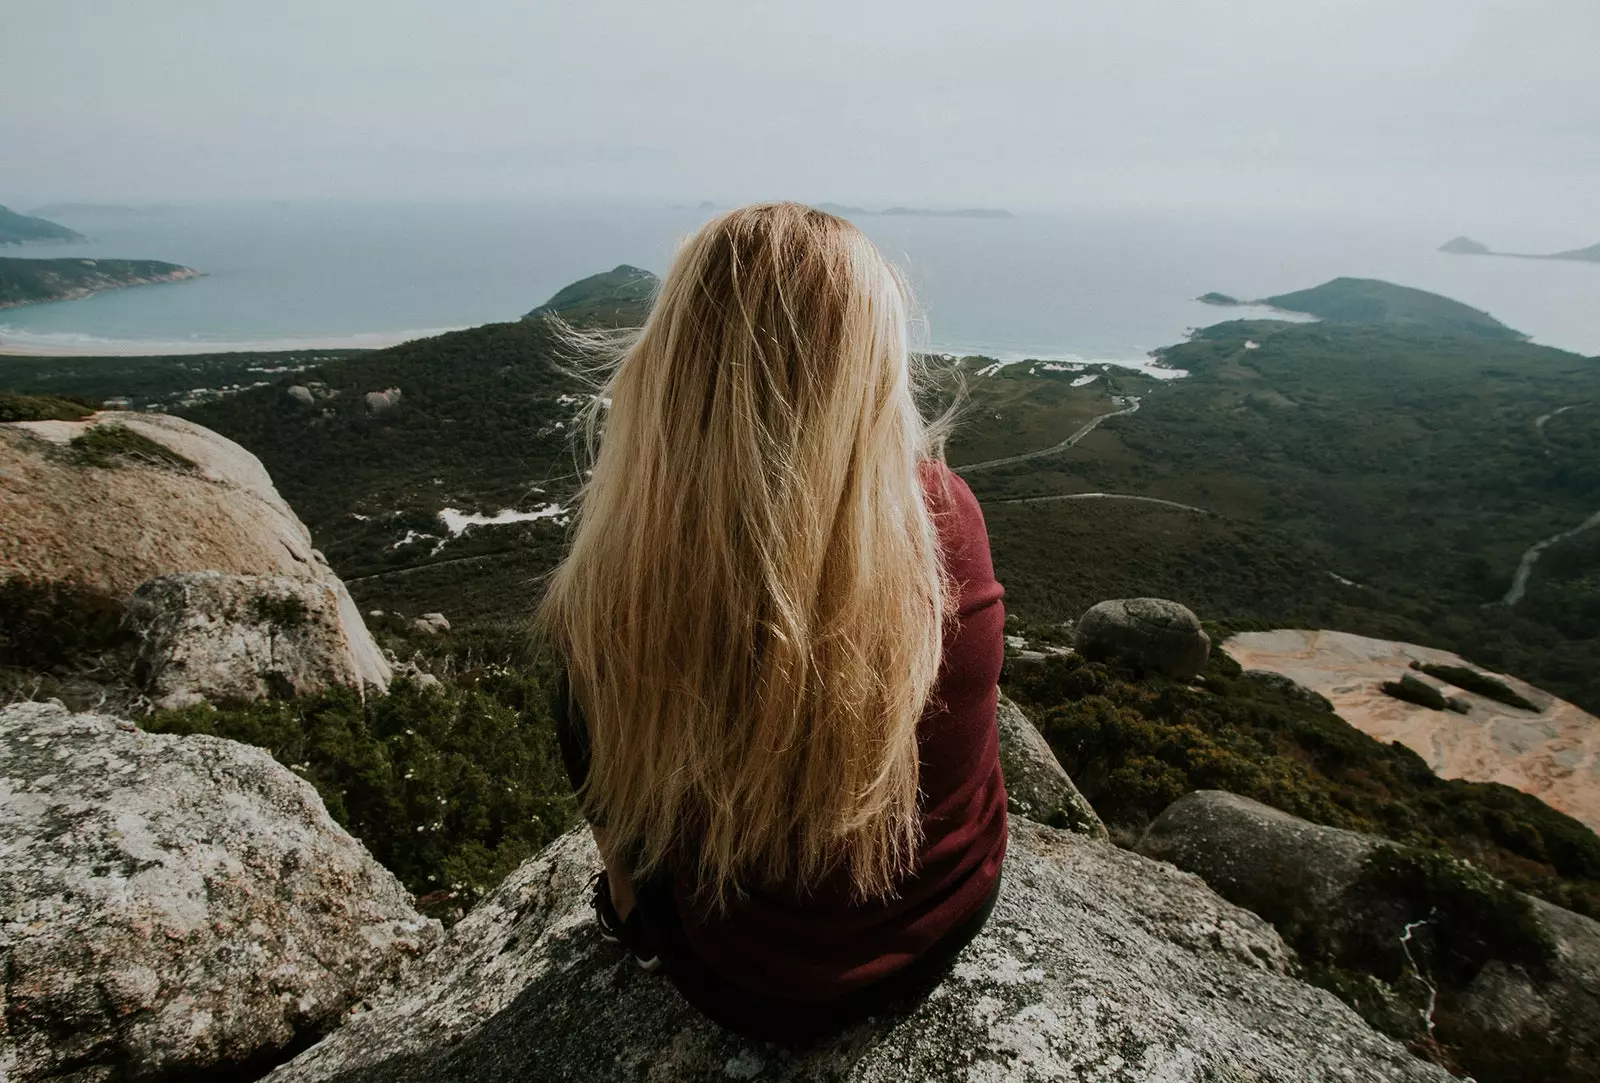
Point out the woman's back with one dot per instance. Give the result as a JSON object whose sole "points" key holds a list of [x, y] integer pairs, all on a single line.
{"points": [[821, 943], [781, 628]]}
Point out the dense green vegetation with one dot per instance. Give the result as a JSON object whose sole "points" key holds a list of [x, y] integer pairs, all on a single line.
{"points": [[1378, 477], [30, 281], [449, 787], [42, 408], [613, 297], [158, 383], [1133, 746], [23, 229], [1369, 301], [1382, 479]]}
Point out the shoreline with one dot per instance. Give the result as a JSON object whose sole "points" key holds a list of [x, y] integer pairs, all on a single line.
{"points": [[89, 346]]}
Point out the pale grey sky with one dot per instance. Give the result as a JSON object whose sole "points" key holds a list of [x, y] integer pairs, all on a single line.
{"points": [[1385, 105]]}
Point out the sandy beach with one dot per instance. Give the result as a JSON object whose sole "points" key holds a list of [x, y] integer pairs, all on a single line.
{"points": [[89, 346]]}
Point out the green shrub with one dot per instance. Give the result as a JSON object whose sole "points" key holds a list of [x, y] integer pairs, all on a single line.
{"points": [[1461, 917], [46, 624], [43, 408], [111, 445], [450, 789], [1481, 683], [1411, 690]]}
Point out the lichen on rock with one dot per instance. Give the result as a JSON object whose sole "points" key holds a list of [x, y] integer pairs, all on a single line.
{"points": [[1096, 964], [175, 904]]}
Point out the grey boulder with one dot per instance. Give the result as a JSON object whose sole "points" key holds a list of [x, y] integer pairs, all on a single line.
{"points": [[211, 636], [1296, 873], [1036, 784], [1150, 633], [174, 905], [1096, 964]]}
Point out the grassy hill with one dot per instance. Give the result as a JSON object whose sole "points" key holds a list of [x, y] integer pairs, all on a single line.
{"points": [[1371, 302], [617, 296], [33, 281], [24, 229]]}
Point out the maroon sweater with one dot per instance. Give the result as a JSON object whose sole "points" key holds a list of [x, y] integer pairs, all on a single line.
{"points": [[820, 945]]}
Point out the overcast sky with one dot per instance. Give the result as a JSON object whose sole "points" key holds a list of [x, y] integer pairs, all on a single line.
{"points": [[1387, 105]]}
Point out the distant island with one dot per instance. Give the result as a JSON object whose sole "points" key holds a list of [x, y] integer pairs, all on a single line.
{"points": [[844, 210], [24, 229], [611, 297], [1374, 302], [35, 281], [1466, 246], [102, 210]]}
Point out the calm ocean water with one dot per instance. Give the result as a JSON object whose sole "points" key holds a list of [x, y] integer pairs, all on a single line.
{"points": [[1098, 286]]}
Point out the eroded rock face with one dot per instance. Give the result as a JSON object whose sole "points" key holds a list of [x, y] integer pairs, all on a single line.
{"points": [[1151, 633], [1096, 964], [1552, 753], [113, 525], [1037, 786], [205, 636], [175, 903]]}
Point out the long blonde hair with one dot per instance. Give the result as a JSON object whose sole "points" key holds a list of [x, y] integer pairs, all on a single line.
{"points": [[752, 606]]}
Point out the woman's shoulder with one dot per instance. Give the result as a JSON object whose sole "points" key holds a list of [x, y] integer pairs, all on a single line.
{"points": [[949, 499]]}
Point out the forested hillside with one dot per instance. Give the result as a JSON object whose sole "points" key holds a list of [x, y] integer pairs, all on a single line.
{"points": [[1387, 470]]}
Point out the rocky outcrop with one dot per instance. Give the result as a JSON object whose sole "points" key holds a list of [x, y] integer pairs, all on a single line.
{"points": [[1552, 752], [1096, 964], [175, 904], [379, 402], [1317, 880], [302, 395], [1150, 633], [430, 624], [1278, 865], [205, 636], [111, 522], [1036, 784]]}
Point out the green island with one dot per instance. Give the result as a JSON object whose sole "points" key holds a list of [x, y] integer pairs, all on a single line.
{"points": [[36, 281], [1384, 470], [612, 297], [25, 229]]}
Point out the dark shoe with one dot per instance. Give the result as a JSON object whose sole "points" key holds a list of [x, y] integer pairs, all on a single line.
{"points": [[630, 934]]}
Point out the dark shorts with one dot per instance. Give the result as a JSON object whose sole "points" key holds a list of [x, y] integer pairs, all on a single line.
{"points": [[766, 1018]]}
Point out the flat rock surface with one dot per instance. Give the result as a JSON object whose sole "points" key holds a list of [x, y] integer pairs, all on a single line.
{"points": [[173, 904], [1553, 754], [1096, 964]]}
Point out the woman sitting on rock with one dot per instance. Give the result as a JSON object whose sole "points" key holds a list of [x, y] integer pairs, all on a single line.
{"points": [[782, 635]]}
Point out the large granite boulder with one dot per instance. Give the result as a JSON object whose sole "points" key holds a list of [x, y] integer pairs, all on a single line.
{"points": [[209, 636], [174, 905], [1037, 786], [116, 500], [1096, 964], [1150, 633], [1277, 865], [1542, 1006]]}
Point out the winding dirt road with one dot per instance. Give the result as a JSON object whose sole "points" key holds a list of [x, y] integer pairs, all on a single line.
{"points": [[1106, 496], [1088, 428]]}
